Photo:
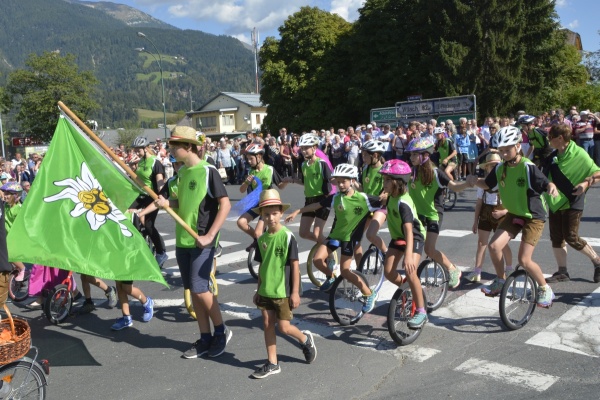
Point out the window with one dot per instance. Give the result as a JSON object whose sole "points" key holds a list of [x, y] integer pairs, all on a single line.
{"points": [[206, 122], [227, 120], [257, 119]]}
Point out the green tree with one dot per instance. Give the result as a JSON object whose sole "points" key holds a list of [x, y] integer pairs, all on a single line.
{"points": [[47, 79], [294, 79]]}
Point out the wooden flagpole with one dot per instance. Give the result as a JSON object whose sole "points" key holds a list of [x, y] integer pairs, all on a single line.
{"points": [[132, 174]]}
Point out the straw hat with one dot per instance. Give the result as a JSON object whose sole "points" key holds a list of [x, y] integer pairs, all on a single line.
{"points": [[270, 197], [184, 134], [491, 158]]}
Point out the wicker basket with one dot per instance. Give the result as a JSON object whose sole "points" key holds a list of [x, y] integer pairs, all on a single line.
{"points": [[21, 334]]}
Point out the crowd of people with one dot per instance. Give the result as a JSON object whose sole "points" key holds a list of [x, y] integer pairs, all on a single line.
{"points": [[526, 168]]}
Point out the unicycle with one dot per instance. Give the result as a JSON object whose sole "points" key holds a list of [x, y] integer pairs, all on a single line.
{"points": [[57, 305], [449, 199], [317, 277], [252, 264], [518, 299], [19, 290], [401, 309], [434, 280], [213, 287]]}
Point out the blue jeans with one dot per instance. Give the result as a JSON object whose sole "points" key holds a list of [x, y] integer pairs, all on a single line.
{"points": [[588, 146]]}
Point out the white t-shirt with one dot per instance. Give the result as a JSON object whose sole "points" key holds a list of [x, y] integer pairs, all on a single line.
{"points": [[488, 198]]}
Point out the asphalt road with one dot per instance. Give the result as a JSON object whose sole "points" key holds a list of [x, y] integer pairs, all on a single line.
{"points": [[463, 352]]}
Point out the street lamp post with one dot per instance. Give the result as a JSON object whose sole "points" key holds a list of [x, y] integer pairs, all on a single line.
{"points": [[162, 83]]}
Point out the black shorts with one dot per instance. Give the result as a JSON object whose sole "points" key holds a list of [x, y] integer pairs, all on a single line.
{"points": [[347, 247], [321, 213], [431, 225], [417, 246]]}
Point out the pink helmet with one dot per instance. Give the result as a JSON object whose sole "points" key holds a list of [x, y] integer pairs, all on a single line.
{"points": [[397, 169]]}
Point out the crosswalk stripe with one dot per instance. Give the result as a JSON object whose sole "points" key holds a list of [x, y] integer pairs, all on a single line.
{"points": [[576, 330], [508, 374]]}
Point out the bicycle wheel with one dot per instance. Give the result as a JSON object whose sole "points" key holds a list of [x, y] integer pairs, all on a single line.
{"points": [[517, 300], [213, 287], [449, 200], [26, 380], [401, 309], [253, 265], [58, 304], [315, 275], [371, 266], [434, 279], [19, 290], [346, 301]]}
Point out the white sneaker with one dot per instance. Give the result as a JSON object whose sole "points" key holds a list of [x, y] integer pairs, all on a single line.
{"points": [[473, 276]]}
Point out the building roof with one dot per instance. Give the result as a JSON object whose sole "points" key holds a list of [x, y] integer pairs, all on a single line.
{"points": [[251, 99]]}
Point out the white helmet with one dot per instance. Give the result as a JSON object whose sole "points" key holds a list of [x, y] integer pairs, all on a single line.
{"points": [[308, 139], [508, 136], [374, 146], [345, 171]]}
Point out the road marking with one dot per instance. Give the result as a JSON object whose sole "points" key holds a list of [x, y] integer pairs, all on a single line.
{"points": [[592, 241], [576, 331], [508, 374]]}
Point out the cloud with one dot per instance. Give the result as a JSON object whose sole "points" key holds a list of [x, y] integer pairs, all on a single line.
{"points": [[561, 3], [347, 9], [573, 24]]}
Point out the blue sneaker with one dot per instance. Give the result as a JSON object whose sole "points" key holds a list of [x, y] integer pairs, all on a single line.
{"points": [[417, 321], [148, 309], [494, 288], [161, 258], [326, 286], [122, 323], [370, 301]]}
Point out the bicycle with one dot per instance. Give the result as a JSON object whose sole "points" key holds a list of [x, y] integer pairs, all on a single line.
{"points": [[213, 287], [22, 377], [434, 280], [58, 303], [518, 299]]}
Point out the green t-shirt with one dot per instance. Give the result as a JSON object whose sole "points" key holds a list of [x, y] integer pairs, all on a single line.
{"points": [[10, 215], [401, 210], [276, 251], [429, 200], [566, 171], [445, 149], [349, 212], [265, 175], [316, 178], [144, 170], [372, 181], [521, 188]]}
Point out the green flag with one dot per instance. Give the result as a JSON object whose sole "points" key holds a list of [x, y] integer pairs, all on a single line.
{"points": [[70, 220]]}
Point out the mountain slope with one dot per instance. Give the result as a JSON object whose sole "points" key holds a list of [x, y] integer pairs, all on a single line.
{"points": [[191, 60]]}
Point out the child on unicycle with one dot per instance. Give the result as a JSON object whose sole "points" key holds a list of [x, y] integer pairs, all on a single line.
{"points": [[408, 235], [351, 211]]}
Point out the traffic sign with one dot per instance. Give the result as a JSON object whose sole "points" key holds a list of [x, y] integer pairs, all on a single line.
{"points": [[453, 105], [439, 106], [383, 114]]}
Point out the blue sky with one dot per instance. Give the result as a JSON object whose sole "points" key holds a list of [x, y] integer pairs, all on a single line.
{"points": [[238, 17]]}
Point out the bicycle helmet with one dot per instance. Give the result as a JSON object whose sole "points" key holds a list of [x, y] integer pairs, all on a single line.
{"points": [[397, 169], [255, 148], [140, 141], [437, 131], [308, 139], [525, 119], [508, 136], [374, 146], [420, 145], [345, 171], [11, 187]]}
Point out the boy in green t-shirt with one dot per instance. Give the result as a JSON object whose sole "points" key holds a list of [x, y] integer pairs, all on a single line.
{"points": [[278, 283]]}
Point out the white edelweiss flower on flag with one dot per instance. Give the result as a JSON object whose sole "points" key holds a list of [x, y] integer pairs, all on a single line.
{"points": [[89, 199]]}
